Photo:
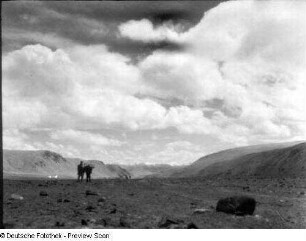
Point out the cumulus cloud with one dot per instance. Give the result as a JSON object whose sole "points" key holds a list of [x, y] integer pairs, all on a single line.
{"points": [[182, 76], [249, 54], [101, 90], [240, 79]]}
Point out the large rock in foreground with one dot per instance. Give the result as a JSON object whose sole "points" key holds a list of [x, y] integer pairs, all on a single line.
{"points": [[238, 205]]}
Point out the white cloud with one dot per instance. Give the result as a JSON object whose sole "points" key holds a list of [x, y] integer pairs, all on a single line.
{"points": [[83, 138], [13, 139], [143, 30], [177, 153], [249, 54], [134, 113], [182, 76], [22, 114], [82, 88]]}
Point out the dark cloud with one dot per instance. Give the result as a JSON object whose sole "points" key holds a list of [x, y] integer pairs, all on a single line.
{"points": [[127, 10], [90, 23]]}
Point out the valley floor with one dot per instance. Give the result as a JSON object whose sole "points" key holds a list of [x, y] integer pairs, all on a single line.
{"points": [[152, 203]]}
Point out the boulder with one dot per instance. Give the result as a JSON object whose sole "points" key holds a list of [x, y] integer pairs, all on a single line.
{"points": [[238, 205]]}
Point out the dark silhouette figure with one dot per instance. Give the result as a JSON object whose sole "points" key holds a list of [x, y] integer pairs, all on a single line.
{"points": [[88, 170], [80, 172]]}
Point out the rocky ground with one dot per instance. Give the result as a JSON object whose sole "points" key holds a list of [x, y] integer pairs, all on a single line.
{"points": [[152, 203]]}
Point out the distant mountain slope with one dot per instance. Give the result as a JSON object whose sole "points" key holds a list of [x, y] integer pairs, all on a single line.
{"points": [[283, 162], [108, 170], [41, 164], [196, 168], [158, 170]]}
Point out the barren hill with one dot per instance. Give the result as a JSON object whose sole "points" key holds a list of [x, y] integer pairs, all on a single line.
{"points": [[41, 164], [286, 159], [279, 163]]}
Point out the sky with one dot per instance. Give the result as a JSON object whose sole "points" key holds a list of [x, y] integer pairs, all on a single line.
{"points": [[152, 82]]}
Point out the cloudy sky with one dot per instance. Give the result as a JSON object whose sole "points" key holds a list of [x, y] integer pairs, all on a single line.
{"points": [[152, 82]]}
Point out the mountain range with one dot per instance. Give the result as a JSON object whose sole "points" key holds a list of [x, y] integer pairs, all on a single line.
{"points": [[267, 161]]}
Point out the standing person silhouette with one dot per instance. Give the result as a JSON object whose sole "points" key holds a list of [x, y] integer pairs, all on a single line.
{"points": [[88, 171], [80, 172]]}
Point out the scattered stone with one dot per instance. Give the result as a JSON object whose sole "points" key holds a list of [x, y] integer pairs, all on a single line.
{"points": [[59, 200], [92, 221], [43, 193], [84, 222], [91, 193], [238, 205], [193, 205], [66, 200], [166, 222], [90, 208], [302, 193], [16, 197], [114, 210], [131, 194], [77, 213], [123, 222], [101, 200], [192, 226], [246, 188], [59, 224], [201, 210], [102, 222]]}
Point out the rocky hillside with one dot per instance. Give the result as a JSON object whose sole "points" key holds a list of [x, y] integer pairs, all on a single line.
{"points": [[279, 163], [41, 164], [287, 159]]}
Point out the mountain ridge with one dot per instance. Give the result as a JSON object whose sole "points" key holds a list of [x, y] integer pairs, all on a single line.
{"points": [[210, 164], [44, 163]]}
